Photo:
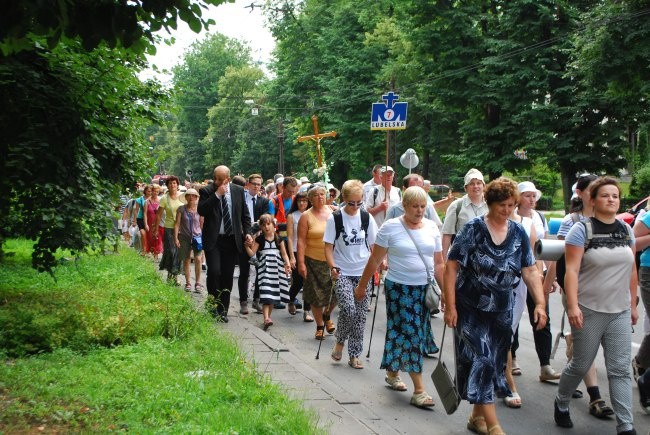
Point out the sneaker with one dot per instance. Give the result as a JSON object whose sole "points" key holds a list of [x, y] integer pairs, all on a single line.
{"points": [[256, 306], [562, 418], [279, 306], [243, 307], [637, 370], [297, 303], [548, 374]]}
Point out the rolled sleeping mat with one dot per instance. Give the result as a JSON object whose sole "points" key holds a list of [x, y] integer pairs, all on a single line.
{"points": [[549, 250]]}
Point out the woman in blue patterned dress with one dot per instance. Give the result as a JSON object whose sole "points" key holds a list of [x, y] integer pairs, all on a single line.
{"points": [[486, 261], [407, 316]]}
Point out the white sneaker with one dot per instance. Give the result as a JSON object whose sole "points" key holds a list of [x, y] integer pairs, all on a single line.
{"points": [[548, 374]]}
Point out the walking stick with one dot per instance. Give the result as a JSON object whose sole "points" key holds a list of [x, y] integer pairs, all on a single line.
{"points": [[320, 342], [374, 316]]}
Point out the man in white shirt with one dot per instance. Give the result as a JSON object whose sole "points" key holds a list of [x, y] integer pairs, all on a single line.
{"points": [[382, 197], [375, 181]]}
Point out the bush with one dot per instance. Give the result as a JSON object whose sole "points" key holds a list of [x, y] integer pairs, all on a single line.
{"points": [[640, 186], [94, 301]]}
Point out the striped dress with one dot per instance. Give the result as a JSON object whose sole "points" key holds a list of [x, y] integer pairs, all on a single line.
{"points": [[273, 282]]}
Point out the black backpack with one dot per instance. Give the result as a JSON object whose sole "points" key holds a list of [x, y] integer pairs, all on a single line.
{"points": [[338, 224], [560, 268]]}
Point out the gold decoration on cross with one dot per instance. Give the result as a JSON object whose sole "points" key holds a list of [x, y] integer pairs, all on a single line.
{"points": [[317, 138]]}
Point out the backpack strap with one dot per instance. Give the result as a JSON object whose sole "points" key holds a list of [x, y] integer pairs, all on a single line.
{"points": [[365, 222], [338, 224], [459, 207]]}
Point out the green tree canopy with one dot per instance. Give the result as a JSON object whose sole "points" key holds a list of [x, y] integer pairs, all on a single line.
{"points": [[117, 23]]}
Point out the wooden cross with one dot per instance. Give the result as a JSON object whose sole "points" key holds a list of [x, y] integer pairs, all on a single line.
{"points": [[317, 137]]}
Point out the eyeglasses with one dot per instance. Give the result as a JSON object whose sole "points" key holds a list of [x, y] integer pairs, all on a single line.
{"points": [[355, 203]]}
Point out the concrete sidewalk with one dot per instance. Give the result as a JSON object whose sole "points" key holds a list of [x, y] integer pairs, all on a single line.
{"points": [[340, 410]]}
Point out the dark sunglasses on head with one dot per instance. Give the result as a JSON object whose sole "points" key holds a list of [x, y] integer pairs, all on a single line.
{"points": [[355, 203]]}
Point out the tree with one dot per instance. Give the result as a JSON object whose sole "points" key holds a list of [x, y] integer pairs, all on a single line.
{"points": [[73, 124], [196, 80], [117, 23]]}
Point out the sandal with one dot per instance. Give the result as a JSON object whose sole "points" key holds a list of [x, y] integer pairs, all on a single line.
{"points": [[292, 309], [395, 383], [496, 430], [307, 317], [477, 424], [188, 287], [337, 354], [198, 288], [320, 333], [513, 401], [422, 400], [599, 409], [267, 323], [355, 363], [329, 325], [516, 370]]}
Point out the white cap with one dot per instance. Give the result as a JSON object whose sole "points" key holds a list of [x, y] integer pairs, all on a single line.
{"points": [[387, 169], [304, 180], [528, 186], [473, 174]]}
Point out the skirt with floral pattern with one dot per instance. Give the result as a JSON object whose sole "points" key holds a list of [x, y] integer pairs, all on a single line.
{"points": [[406, 333]]}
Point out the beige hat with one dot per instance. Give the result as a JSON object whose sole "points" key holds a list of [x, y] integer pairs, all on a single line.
{"points": [[189, 191], [473, 174]]}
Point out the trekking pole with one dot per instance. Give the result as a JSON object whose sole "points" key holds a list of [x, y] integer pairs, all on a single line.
{"points": [[320, 342], [374, 316]]}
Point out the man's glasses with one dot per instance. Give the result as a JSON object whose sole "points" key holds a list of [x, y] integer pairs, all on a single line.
{"points": [[355, 203]]}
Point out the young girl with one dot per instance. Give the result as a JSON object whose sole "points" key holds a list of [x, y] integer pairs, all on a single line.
{"points": [[272, 258], [188, 224]]}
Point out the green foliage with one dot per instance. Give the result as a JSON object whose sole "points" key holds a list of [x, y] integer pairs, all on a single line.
{"points": [[96, 301], [196, 90], [73, 126], [162, 365], [640, 186], [117, 23]]}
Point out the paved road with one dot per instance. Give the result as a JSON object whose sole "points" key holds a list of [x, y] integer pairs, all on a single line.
{"points": [[351, 401]]}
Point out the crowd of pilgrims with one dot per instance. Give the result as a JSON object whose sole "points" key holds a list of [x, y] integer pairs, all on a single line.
{"points": [[341, 247]]}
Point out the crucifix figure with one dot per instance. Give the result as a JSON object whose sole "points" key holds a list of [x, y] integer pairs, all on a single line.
{"points": [[317, 137]]}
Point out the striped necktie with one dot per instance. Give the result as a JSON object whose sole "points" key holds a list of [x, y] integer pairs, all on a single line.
{"points": [[225, 214]]}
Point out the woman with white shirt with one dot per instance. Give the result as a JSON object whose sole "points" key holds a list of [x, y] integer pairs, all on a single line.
{"points": [[406, 280], [347, 251]]}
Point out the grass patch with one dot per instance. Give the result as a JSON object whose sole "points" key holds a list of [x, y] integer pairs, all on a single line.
{"points": [[134, 357]]}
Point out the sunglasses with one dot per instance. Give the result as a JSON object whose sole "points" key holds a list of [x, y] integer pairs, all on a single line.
{"points": [[355, 203]]}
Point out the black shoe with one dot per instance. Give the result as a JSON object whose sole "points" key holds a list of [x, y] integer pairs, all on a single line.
{"points": [[628, 432], [297, 303], [562, 418], [644, 397], [577, 394], [279, 306], [222, 317]]}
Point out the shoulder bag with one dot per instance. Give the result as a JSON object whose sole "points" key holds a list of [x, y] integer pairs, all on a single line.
{"points": [[444, 383], [432, 290]]}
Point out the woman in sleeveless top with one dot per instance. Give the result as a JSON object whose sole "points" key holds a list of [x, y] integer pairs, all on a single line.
{"points": [[311, 262]]}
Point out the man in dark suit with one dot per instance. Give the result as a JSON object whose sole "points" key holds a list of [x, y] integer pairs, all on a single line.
{"points": [[226, 227], [257, 206]]}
